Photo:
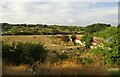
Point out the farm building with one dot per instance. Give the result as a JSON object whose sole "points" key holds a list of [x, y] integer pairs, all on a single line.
{"points": [[78, 41]]}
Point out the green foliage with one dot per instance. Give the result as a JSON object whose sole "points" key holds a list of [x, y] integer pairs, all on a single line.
{"points": [[114, 45], [26, 53], [87, 38], [35, 31], [96, 51], [5, 26], [86, 60], [43, 29], [108, 32], [63, 56], [15, 30], [7, 51], [96, 27], [54, 31], [111, 56], [110, 48]]}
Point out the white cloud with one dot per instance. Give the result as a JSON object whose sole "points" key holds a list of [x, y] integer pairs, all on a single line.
{"points": [[101, 15], [62, 0], [68, 13], [71, 21]]}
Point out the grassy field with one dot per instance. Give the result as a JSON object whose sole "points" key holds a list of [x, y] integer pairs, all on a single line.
{"points": [[67, 67], [27, 38], [45, 39]]}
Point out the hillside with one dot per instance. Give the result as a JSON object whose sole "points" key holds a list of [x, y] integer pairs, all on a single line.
{"points": [[63, 54]]}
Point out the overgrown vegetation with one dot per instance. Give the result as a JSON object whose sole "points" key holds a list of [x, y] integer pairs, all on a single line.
{"points": [[111, 47], [87, 38], [63, 56], [23, 53], [96, 27], [39, 29], [86, 60], [106, 50]]}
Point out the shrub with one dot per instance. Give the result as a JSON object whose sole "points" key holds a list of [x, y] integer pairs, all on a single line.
{"points": [[15, 30], [65, 38], [87, 38], [26, 53], [111, 56], [54, 31], [7, 51], [63, 56]]}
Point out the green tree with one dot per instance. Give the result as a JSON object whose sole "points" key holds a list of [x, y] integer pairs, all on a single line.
{"points": [[5, 26], [15, 30], [24, 53], [54, 31], [96, 27], [35, 31]]}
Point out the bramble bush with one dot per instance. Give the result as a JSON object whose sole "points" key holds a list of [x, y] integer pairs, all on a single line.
{"points": [[24, 53]]}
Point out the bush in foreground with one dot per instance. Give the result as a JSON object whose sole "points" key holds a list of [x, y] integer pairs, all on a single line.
{"points": [[23, 53]]}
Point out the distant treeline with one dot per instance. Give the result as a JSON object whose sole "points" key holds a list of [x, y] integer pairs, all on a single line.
{"points": [[43, 29]]}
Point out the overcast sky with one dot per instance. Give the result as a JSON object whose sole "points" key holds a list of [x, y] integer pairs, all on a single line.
{"points": [[64, 13]]}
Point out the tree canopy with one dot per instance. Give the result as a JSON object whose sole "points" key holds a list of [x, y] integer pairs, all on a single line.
{"points": [[96, 27]]}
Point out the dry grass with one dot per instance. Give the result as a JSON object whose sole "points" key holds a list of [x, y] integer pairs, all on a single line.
{"points": [[70, 68], [15, 70], [58, 68], [45, 39], [26, 38]]}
